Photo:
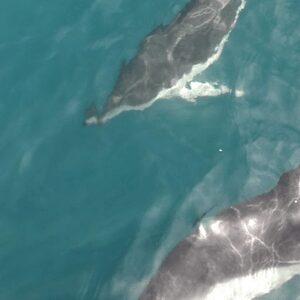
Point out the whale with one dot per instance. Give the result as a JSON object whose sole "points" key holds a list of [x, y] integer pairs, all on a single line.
{"points": [[170, 56], [244, 251]]}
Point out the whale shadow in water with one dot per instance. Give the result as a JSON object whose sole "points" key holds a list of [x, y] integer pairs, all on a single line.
{"points": [[168, 54], [243, 252]]}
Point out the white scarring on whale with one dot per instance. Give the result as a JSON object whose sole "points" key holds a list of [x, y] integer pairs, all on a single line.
{"points": [[172, 56], [244, 252]]}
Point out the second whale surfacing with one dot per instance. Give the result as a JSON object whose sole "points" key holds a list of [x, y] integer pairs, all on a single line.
{"points": [[244, 252], [171, 55]]}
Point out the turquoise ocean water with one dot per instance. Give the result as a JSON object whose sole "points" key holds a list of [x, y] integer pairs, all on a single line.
{"points": [[89, 213]]}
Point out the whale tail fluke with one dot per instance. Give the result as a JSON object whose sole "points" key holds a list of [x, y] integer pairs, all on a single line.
{"points": [[92, 116]]}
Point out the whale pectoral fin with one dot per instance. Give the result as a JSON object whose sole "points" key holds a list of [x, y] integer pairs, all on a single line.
{"points": [[202, 89], [187, 94]]}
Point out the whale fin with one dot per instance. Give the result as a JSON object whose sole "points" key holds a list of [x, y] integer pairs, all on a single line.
{"points": [[202, 89], [91, 116]]}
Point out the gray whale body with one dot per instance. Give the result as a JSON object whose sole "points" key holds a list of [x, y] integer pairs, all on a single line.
{"points": [[168, 53], [258, 236]]}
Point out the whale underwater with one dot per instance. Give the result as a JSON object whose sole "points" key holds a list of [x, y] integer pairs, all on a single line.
{"points": [[171, 56], [245, 251]]}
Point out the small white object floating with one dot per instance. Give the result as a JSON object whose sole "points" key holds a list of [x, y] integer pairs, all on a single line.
{"points": [[239, 93]]}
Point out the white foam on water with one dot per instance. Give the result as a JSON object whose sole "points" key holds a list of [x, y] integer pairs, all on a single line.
{"points": [[201, 89], [28, 155], [239, 93], [128, 281], [251, 286], [124, 108]]}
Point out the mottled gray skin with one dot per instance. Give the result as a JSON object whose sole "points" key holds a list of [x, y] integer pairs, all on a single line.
{"points": [[261, 233], [171, 51]]}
